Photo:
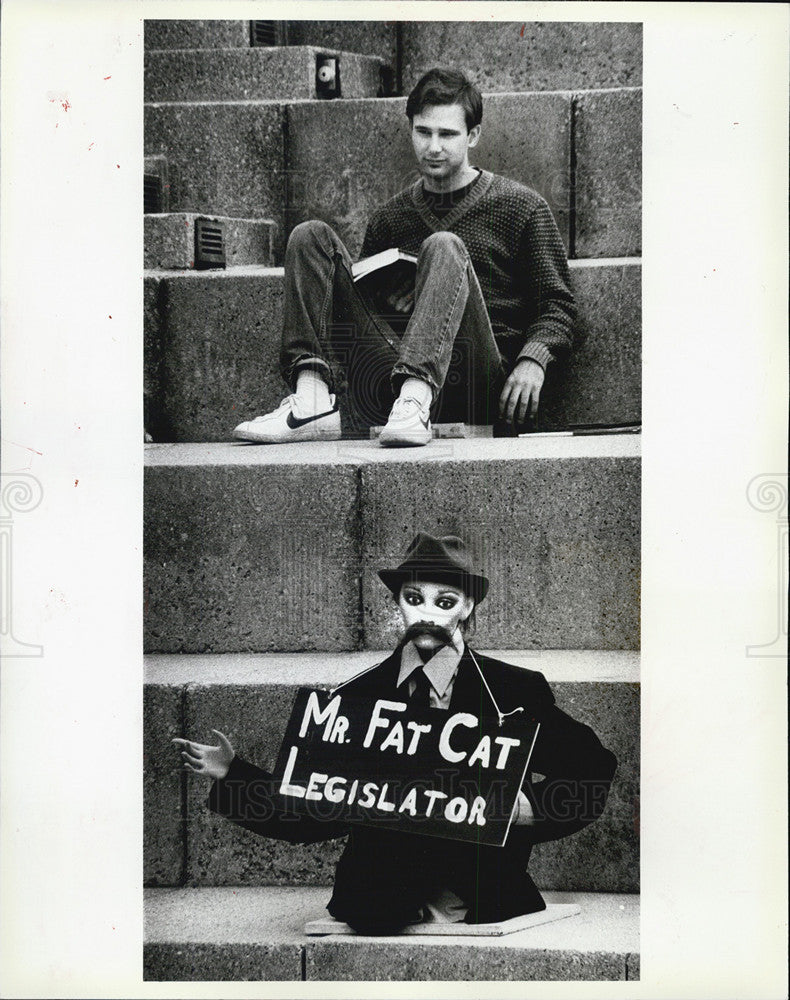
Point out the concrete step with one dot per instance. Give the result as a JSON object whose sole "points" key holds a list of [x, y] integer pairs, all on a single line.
{"points": [[500, 56], [222, 159], [272, 548], [344, 158], [169, 240], [249, 698], [195, 34], [608, 188], [258, 934], [254, 74], [213, 338], [507, 55], [373, 38]]}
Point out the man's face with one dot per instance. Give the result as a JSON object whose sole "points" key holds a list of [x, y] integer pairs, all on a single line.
{"points": [[434, 604], [442, 143]]}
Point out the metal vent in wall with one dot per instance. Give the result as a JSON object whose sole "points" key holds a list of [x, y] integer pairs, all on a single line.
{"points": [[263, 33], [209, 244], [327, 76], [152, 194]]}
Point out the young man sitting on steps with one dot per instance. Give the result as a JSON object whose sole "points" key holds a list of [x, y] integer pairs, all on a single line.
{"points": [[491, 297]]}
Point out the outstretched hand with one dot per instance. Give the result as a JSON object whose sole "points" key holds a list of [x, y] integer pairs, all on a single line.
{"points": [[213, 762], [521, 393]]}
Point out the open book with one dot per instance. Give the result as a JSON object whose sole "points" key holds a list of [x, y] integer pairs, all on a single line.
{"points": [[379, 260]]}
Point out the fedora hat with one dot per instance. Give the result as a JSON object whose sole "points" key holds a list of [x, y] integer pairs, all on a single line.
{"points": [[442, 559]]}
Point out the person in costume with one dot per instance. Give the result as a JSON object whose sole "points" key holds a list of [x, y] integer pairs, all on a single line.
{"points": [[388, 879]]}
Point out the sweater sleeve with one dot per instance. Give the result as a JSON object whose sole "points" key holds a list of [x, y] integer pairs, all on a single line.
{"points": [[549, 332], [248, 796], [576, 770], [377, 236]]}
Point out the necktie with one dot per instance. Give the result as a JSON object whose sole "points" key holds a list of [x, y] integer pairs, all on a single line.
{"points": [[421, 699]]}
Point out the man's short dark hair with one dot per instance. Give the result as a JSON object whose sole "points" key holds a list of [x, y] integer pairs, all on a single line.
{"points": [[446, 86]]}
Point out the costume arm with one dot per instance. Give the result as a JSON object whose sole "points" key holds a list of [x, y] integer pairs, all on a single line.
{"points": [[248, 796], [578, 772], [551, 313]]}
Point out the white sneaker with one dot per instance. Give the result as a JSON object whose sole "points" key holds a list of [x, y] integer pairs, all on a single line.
{"points": [[289, 422], [408, 424]]}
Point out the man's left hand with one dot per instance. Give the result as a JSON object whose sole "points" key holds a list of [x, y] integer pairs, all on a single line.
{"points": [[521, 393]]}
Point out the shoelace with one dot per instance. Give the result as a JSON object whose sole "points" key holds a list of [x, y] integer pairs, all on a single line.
{"points": [[401, 401]]}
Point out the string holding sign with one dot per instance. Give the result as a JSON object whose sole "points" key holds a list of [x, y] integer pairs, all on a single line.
{"points": [[501, 716]]}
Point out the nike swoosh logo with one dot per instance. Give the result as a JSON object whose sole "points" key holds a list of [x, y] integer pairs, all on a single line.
{"points": [[293, 422]]}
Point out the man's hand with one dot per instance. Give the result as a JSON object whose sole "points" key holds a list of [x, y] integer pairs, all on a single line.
{"points": [[402, 298], [199, 758], [521, 393]]}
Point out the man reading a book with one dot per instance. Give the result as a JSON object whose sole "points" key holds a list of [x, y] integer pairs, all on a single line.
{"points": [[466, 334]]}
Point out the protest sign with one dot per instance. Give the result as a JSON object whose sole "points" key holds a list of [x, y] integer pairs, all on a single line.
{"points": [[381, 762]]}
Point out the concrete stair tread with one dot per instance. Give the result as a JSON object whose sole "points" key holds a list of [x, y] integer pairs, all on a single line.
{"points": [[316, 669], [264, 53], [198, 931], [357, 453], [214, 218], [248, 914], [253, 270], [255, 73], [243, 271], [393, 100]]}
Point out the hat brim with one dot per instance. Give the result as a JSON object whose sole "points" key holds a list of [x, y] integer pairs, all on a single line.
{"points": [[472, 584]]}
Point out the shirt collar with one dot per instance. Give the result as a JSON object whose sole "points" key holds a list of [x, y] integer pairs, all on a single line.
{"points": [[440, 669]]}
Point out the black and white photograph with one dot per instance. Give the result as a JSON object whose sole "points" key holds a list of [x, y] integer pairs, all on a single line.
{"points": [[393, 381], [394, 569]]}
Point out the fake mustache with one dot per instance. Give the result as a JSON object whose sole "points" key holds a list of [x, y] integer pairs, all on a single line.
{"points": [[425, 628]]}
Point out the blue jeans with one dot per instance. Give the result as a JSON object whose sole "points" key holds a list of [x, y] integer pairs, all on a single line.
{"points": [[334, 325]]}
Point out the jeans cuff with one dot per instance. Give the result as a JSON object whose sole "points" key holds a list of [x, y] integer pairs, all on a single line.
{"points": [[315, 364]]}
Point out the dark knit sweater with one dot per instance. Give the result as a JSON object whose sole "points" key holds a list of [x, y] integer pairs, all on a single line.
{"points": [[515, 249]]}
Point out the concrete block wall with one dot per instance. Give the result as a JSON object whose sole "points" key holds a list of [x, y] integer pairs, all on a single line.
{"points": [[240, 556], [518, 55], [608, 181]]}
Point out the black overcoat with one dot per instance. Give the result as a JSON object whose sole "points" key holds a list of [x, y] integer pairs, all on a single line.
{"points": [[383, 876]]}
